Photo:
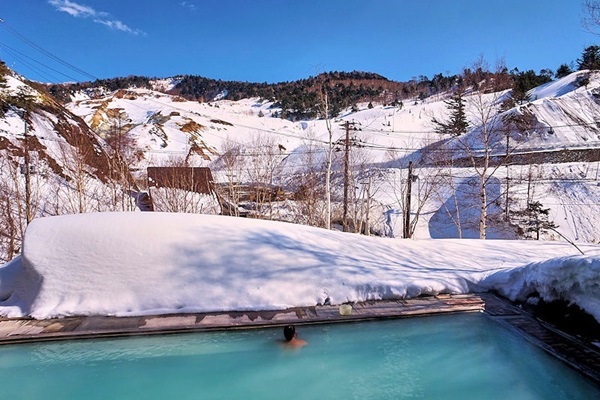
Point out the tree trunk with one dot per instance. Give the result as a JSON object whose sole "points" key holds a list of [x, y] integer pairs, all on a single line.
{"points": [[483, 214]]}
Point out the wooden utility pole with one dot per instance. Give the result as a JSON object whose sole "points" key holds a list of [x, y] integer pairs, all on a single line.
{"points": [[346, 175], [407, 233], [506, 205], [368, 222], [27, 176]]}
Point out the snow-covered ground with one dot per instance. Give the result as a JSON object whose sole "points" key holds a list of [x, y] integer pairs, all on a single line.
{"points": [[153, 263], [136, 263], [165, 128]]}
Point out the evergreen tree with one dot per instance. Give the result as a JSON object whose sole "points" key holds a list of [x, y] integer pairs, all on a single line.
{"points": [[3, 101], [3, 72], [562, 71], [457, 123], [524, 81], [590, 59], [537, 219]]}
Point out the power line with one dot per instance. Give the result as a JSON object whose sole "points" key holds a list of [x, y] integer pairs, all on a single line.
{"points": [[12, 51], [33, 69], [47, 53]]}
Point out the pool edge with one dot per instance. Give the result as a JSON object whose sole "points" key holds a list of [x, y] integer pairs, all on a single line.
{"points": [[582, 356]]}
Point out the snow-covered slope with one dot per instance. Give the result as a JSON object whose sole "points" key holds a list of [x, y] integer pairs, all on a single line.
{"points": [[158, 129], [562, 115], [56, 139], [165, 128], [566, 112], [151, 263]]}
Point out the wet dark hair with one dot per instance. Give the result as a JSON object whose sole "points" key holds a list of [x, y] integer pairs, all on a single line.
{"points": [[289, 332]]}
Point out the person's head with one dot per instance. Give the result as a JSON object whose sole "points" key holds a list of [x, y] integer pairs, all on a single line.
{"points": [[289, 332]]}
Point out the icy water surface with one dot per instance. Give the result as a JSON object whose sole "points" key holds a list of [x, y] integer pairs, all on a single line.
{"points": [[463, 356]]}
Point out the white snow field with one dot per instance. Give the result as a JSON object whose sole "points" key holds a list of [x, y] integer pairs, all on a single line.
{"points": [[154, 263]]}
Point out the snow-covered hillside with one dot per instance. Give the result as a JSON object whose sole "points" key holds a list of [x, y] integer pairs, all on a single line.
{"points": [[69, 167], [566, 112], [157, 129], [56, 139], [561, 115], [163, 124]]}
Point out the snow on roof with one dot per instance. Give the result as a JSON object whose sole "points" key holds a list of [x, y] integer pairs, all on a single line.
{"points": [[155, 263]]}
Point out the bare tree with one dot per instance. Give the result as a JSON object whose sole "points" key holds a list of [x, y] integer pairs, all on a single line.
{"points": [[591, 16], [368, 184], [11, 213], [427, 182], [122, 156], [486, 146], [483, 109], [231, 162], [16, 209], [78, 181], [447, 185], [308, 181], [263, 160], [325, 113]]}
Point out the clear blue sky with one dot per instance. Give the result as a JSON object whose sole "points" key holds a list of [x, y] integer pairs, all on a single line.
{"points": [[282, 40]]}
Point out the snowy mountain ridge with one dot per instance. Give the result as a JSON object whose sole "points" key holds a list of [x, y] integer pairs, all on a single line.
{"points": [[561, 116]]}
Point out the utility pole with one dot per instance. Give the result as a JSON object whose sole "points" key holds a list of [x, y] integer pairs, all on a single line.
{"points": [[597, 168], [347, 126], [506, 206], [346, 175], [368, 223], [27, 175], [407, 233]]}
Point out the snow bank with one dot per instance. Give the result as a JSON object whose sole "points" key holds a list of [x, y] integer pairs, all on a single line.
{"points": [[575, 279], [152, 263]]}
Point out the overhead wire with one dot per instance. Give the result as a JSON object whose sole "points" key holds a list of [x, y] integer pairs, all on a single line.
{"points": [[47, 53], [32, 68], [39, 48], [17, 54]]}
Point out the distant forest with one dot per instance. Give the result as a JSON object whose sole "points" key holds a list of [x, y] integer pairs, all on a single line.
{"points": [[302, 99]]}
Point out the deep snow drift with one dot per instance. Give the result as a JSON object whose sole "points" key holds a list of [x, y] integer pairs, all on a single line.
{"points": [[151, 263]]}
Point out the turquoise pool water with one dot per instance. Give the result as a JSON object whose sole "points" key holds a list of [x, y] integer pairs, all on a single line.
{"points": [[448, 357]]}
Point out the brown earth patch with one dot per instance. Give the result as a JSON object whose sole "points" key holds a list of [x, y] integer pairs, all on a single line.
{"points": [[220, 121], [124, 94], [192, 126]]}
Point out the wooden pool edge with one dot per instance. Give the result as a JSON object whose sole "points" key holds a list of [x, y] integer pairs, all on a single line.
{"points": [[580, 355], [24, 330]]}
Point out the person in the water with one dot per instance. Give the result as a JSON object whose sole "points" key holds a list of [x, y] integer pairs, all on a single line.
{"points": [[291, 337]]}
